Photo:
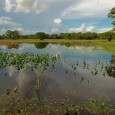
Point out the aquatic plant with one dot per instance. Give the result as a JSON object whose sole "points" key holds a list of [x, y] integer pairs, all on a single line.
{"points": [[26, 60]]}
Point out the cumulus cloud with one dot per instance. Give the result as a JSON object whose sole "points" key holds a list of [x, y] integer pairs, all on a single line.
{"points": [[88, 9], [8, 5], [3, 30], [82, 28], [57, 11], [57, 21], [5, 18], [25, 6], [101, 30], [17, 28], [90, 28], [7, 21], [54, 30]]}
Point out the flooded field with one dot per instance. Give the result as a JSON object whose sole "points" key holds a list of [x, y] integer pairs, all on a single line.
{"points": [[58, 72]]}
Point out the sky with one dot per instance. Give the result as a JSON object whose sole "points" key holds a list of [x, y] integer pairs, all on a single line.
{"points": [[55, 16]]}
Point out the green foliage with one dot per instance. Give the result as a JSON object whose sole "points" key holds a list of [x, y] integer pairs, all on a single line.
{"points": [[107, 36], [68, 36], [111, 14], [26, 60], [55, 36], [12, 34], [1, 37], [40, 35], [79, 36], [90, 36]]}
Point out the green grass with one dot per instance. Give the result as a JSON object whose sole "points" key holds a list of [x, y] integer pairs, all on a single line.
{"points": [[106, 45], [46, 40]]}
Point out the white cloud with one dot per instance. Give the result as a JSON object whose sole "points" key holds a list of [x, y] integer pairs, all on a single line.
{"points": [[8, 24], [25, 6], [101, 30], [90, 28], [5, 18], [56, 12], [8, 5], [6, 21], [54, 30], [88, 9], [17, 28], [30, 5], [3, 30], [82, 28], [57, 21]]}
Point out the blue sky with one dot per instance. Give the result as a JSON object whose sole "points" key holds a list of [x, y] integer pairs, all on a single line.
{"points": [[55, 16]]}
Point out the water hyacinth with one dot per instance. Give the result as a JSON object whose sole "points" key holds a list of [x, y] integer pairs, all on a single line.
{"points": [[26, 60]]}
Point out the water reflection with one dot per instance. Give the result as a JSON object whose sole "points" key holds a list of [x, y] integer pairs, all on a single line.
{"points": [[41, 45], [70, 77], [113, 59], [111, 68], [15, 46]]}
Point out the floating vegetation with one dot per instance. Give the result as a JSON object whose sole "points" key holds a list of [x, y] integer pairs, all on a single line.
{"points": [[26, 60], [95, 71], [14, 103], [111, 71], [35, 61]]}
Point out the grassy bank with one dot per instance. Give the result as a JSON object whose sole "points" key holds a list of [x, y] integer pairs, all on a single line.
{"points": [[55, 41], [106, 45]]}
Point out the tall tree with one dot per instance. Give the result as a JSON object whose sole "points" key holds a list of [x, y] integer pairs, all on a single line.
{"points": [[40, 35], [12, 34], [111, 14]]}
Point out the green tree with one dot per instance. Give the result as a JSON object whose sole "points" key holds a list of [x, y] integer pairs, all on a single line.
{"points": [[12, 34], [40, 35], [55, 36], [1, 37], [90, 35], [111, 14], [106, 36]]}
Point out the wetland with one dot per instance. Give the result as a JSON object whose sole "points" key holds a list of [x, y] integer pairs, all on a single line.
{"points": [[57, 78]]}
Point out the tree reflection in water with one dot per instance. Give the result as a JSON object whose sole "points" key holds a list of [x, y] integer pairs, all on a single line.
{"points": [[111, 68], [41, 45], [10, 46]]}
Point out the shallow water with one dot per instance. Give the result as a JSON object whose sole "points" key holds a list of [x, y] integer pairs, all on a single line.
{"points": [[71, 77]]}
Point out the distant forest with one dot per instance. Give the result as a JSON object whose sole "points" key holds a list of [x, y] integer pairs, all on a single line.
{"points": [[110, 35]]}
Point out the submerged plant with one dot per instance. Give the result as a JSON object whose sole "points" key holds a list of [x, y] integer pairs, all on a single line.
{"points": [[26, 60]]}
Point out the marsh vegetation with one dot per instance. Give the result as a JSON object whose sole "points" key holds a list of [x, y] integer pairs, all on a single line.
{"points": [[63, 78]]}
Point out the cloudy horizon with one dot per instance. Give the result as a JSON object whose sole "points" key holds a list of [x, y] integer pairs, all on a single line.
{"points": [[50, 16]]}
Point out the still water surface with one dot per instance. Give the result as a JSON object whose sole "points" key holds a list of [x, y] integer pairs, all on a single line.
{"points": [[69, 78]]}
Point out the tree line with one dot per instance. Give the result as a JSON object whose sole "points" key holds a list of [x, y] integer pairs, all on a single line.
{"points": [[71, 36]]}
